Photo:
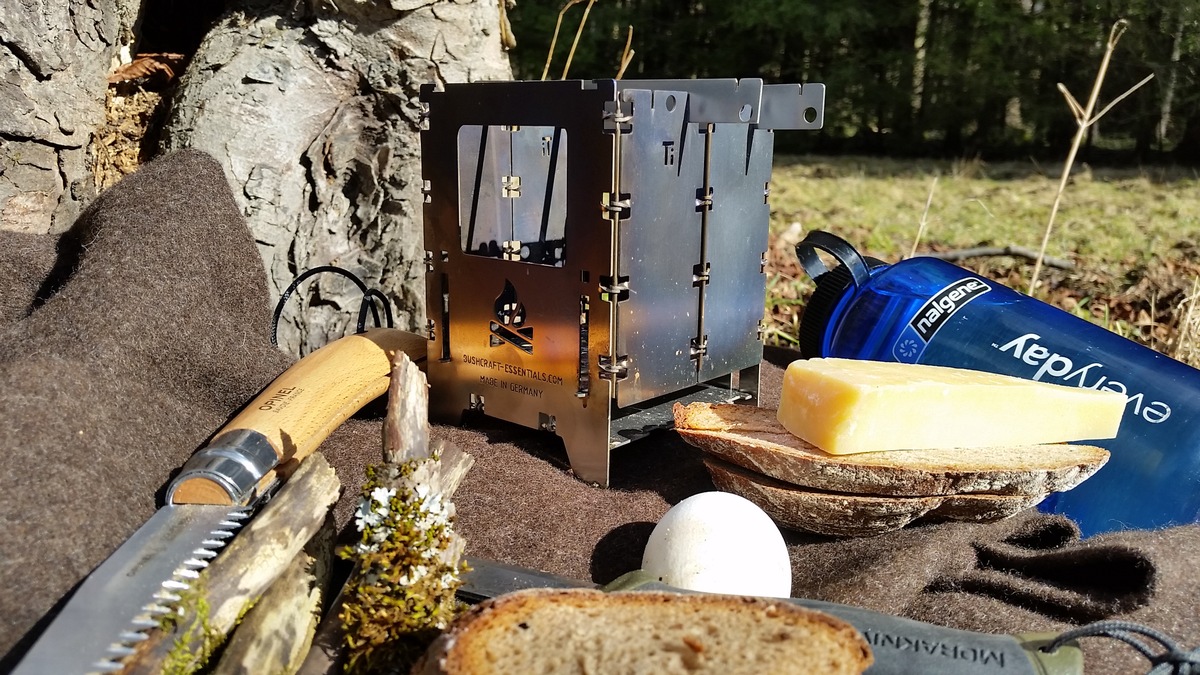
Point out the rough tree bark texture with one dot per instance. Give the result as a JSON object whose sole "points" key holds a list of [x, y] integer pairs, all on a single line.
{"points": [[316, 120], [54, 59]]}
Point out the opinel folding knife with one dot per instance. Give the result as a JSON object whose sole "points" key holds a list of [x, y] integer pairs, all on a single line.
{"points": [[215, 492]]}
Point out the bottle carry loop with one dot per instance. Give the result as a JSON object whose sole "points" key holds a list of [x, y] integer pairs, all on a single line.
{"points": [[838, 248], [833, 287]]}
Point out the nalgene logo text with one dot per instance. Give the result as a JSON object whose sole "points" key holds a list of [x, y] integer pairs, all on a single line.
{"points": [[1054, 366], [934, 313]]}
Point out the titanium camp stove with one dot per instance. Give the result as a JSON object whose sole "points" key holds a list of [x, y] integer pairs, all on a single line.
{"points": [[595, 250]]}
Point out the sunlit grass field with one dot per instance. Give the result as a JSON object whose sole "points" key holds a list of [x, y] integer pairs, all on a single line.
{"points": [[1132, 234]]}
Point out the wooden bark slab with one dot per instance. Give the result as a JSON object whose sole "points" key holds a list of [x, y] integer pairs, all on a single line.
{"points": [[752, 438], [850, 515], [277, 632]]}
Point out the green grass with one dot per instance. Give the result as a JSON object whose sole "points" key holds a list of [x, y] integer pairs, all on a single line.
{"points": [[1107, 214], [1133, 233]]}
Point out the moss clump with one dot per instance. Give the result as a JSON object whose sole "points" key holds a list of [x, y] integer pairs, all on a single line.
{"points": [[197, 639], [403, 590]]}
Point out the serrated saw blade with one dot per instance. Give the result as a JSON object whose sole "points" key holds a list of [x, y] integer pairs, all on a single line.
{"points": [[130, 592]]}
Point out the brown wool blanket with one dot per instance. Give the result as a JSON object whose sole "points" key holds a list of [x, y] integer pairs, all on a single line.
{"points": [[127, 342]]}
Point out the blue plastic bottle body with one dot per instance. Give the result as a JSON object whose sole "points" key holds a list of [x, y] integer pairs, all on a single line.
{"points": [[924, 310]]}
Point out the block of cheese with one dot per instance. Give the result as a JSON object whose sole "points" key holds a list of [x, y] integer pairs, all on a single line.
{"points": [[752, 438], [846, 406]]}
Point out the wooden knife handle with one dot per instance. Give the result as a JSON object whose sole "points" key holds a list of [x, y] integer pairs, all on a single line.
{"points": [[299, 410]]}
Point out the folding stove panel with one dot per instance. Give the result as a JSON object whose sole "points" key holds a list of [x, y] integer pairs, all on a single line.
{"points": [[595, 249], [661, 170], [736, 245]]}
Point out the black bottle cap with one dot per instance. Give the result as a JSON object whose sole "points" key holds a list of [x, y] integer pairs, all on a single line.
{"points": [[818, 311], [832, 284]]}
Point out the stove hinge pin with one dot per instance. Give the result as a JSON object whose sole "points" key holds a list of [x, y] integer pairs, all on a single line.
{"points": [[614, 290], [511, 249], [618, 206], [614, 368], [614, 118]]}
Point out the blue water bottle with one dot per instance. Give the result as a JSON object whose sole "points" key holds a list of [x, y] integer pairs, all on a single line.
{"points": [[925, 310]]}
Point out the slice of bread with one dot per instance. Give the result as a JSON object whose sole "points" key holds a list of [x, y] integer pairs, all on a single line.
{"points": [[751, 437], [848, 515], [586, 631]]}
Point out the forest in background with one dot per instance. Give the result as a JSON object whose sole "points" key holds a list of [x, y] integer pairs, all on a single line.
{"points": [[950, 78]]}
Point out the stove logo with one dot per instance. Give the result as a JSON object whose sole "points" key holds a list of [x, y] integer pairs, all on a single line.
{"points": [[509, 325]]}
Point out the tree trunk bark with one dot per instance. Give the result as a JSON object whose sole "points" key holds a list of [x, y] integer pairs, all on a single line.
{"points": [[316, 120], [55, 58], [1187, 151], [920, 51], [1168, 97]]}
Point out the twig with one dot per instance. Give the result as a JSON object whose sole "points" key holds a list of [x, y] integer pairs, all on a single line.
{"points": [[554, 39], [578, 32], [626, 55], [1185, 332], [989, 251], [1084, 119], [416, 479], [924, 218], [1122, 97]]}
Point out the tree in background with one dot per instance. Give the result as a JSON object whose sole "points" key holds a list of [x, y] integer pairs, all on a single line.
{"points": [[949, 77]]}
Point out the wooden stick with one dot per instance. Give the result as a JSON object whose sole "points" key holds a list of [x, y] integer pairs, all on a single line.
{"points": [[1084, 119], [988, 251], [405, 441], [578, 32], [277, 632], [406, 429], [406, 432]]}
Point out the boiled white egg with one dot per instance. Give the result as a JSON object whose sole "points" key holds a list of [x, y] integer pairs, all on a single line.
{"points": [[719, 542]]}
